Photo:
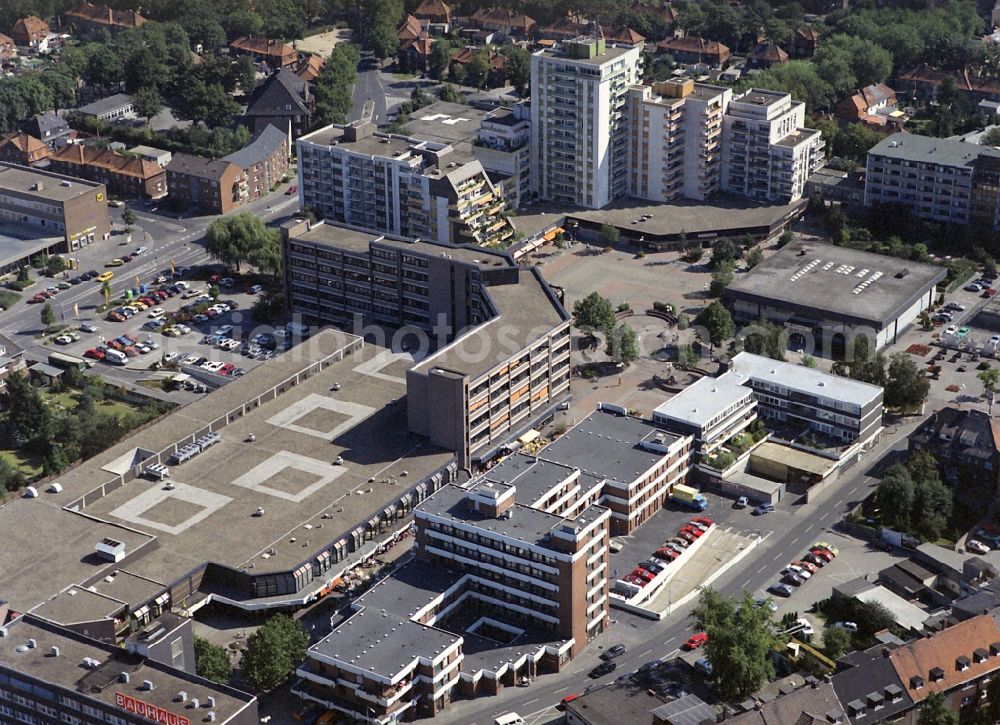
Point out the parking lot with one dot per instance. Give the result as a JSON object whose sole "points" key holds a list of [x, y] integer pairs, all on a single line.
{"points": [[146, 330]]}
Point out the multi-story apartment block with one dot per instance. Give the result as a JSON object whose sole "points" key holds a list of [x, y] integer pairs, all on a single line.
{"points": [[49, 674], [579, 128], [767, 152], [399, 185], [56, 205], [842, 409], [675, 140], [935, 178], [124, 176], [498, 592], [263, 161], [503, 146], [211, 185], [502, 336]]}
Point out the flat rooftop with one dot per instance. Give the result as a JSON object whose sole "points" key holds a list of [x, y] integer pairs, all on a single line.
{"points": [[703, 400], [103, 105], [526, 312], [532, 477], [102, 683], [54, 187], [606, 445], [820, 281], [617, 702], [18, 242], [208, 515], [611, 53], [761, 97], [527, 524], [797, 137], [447, 123], [803, 379], [926, 149]]}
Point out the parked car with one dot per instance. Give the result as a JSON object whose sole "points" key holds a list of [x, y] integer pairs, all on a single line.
{"points": [[823, 545], [605, 668], [646, 576], [695, 641], [649, 565], [616, 650], [116, 262], [88, 327], [741, 503], [764, 508], [977, 547], [849, 626], [782, 590], [807, 565], [766, 603], [823, 554], [973, 287], [104, 276], [704, 666], [791, 578], [256, 289], [665, 553]]}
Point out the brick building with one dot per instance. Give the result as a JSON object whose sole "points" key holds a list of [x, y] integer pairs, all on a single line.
{"points": [[124, 176], [213, 186]]}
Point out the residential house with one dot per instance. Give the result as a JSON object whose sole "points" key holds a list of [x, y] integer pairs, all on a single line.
{"points": [[310, 68], [924, 81], [874, 106], [766, 55], [283, 100], [22, 148], [805, 43], [213, 186], [693, 49], [434, 16], [8, 50], [31, 32], [810, 702], [567, 27], [89, 19], [263, 161], [409, 29], [966, 444], [124, 176], [665, 14], [157, 156], [51, 128], [497, 61], [111, 109], [416, 53], [8, 366], [624, 35], [275, 53], [504, 20]]}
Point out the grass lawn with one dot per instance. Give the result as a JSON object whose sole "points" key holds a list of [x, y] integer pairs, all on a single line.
{"points": [[29, 465], [8, 298]]}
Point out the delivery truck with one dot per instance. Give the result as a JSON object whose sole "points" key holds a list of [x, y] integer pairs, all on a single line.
{"points": [[689, 497]]}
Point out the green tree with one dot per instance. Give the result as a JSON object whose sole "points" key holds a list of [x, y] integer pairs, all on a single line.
{"points": [[623, 344], [518, 68], [147, 102], [786, 238], [836, 641], [808, 361], [211, 661], [722, 276], [765, 338], [989, 379], [128, 217], [894, 497], [477, 70], [25, 409], [686, 357], [273, 652], [725, 250], [234, 240], [48, 316], [54, 265], [718, 323], [935, 711], [854, 140], [334, 83], [754, 257], [906, 388], [740, 641], [932, 505], [610, 234], [593, 313], [448, 94]]}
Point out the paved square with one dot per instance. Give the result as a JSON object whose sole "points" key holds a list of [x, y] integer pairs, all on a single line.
{"points": [[301, 415], [169, 506], [307, 476]]}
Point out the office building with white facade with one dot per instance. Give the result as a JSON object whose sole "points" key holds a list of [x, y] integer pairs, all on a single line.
{"points": [[579, 124], [675, 140], [767, 152], [399, 185], [712, 410]]}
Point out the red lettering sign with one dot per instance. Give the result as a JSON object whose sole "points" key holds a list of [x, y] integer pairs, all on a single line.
{"points": [[149, 711]]}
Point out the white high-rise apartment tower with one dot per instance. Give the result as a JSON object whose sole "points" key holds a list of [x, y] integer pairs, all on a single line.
{"points": [[579, 124]]}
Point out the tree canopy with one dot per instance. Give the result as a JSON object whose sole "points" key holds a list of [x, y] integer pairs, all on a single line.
{"points": [[273, 652], [593, 313], [623, 344], [211, 661], [240, 239], [717, 321]]}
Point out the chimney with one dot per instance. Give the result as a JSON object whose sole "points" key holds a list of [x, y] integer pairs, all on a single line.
{"points": [[123, 677], [210, 701], [182, 696], [32, 644], [55, 651], [886, 652], [148, 686], [194, 704], [211, 717]]}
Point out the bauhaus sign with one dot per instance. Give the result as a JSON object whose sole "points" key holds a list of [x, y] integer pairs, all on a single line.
{"points": [[150, 712]]}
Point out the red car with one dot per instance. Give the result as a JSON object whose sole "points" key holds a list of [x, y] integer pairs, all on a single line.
{"points": [[808, 566], [635, 580], [693, 530], [824, 554], [703, 520], [696, 641], [227, 369], [687, 536], [642, 574], [94, 353], [666, 553], [36, 300], [293, 189]]}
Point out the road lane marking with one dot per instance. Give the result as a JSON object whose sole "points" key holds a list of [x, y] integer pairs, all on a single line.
{"points": [[762, 569], [562, 690], [531, 701], [649, 651]]}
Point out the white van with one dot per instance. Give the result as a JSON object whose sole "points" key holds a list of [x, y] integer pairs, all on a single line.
{"points": [[115, 357], [510, 718]]}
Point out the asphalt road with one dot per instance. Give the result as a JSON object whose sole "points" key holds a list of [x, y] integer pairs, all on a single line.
{"points": [[368, 87], [166, 237], [647, 640]]}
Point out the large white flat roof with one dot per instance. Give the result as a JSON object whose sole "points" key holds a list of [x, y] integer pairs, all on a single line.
{"points": [[803, 379], [705, 399]]}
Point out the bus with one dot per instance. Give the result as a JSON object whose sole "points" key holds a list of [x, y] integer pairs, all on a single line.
{"points": [[61, 360]]}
